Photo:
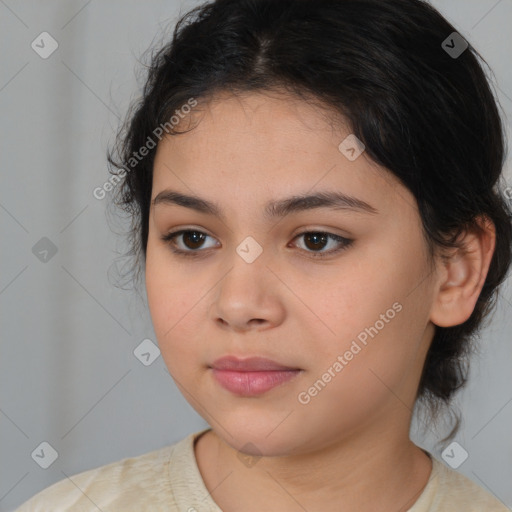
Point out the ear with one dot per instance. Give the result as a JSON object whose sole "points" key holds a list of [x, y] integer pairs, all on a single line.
{"points": [[462, 275]]}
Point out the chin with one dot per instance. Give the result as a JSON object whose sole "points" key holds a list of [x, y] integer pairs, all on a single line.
{"points": [[259, 438]]}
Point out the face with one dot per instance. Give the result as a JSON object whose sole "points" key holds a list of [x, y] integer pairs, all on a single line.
{"points": [[346, 319]]}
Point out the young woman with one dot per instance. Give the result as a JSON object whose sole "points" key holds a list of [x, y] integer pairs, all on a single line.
{"points": [[314, 191]]}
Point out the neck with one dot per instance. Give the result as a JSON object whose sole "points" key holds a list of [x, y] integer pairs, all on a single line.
{"points": [[379, 470]]}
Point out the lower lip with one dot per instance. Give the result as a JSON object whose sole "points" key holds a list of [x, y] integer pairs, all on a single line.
{"points": [[252, 383]]}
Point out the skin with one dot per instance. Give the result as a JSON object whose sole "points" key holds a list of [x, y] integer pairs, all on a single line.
{"points": [[349, 447]]}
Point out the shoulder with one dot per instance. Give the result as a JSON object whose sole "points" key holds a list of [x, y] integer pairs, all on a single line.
{"points": [[451, 491], [454, 487], [132, 483]]}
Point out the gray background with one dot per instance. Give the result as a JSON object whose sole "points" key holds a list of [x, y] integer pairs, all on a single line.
{"points": [[68, 373]]}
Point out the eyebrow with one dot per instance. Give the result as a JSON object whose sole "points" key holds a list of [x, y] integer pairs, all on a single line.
{"points": [[275, 208]]}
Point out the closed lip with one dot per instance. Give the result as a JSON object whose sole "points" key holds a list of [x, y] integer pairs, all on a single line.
{"points": [[249, 364]]}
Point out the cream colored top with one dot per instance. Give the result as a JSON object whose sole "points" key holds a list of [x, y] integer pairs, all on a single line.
{"points": [[169, 480]]}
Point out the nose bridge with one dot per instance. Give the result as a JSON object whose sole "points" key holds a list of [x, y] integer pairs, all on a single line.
{"points": [[249, 241], [242, 295], [248, 261], [249, 236]]}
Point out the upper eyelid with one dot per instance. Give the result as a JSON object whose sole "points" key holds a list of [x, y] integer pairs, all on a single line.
{"points": [[179, 231], [338, 231]]}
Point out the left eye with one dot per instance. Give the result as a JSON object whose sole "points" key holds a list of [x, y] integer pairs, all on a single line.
{"points": [[315, 240]]}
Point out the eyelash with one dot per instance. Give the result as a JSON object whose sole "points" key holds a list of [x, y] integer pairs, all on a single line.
{"points": [[169, 239]]}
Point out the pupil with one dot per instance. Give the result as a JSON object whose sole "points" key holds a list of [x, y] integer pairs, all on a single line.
{"points": [[317, 236], [193, 234]]}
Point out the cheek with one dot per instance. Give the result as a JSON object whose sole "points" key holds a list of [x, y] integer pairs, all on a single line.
{"points": [[347, 302], [174, 303], [353, 378], [375, 314]]}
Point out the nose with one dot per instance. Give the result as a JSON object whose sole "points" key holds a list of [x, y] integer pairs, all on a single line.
{"points": [[248, 296]]}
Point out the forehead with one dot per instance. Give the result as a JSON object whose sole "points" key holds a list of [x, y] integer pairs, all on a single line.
{"points": [[259, 123], [258, 146]]}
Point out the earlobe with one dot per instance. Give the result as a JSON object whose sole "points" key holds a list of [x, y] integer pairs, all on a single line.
{"points": [[463, 276]]}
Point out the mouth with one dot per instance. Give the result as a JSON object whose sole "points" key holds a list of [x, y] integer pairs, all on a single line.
{"points": [[252, 376]]}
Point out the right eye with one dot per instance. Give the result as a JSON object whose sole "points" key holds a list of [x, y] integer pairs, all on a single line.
{"points": [[190, 236]]}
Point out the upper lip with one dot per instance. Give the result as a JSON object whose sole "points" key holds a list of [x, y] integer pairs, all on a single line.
{"points": [[250, 364]]}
